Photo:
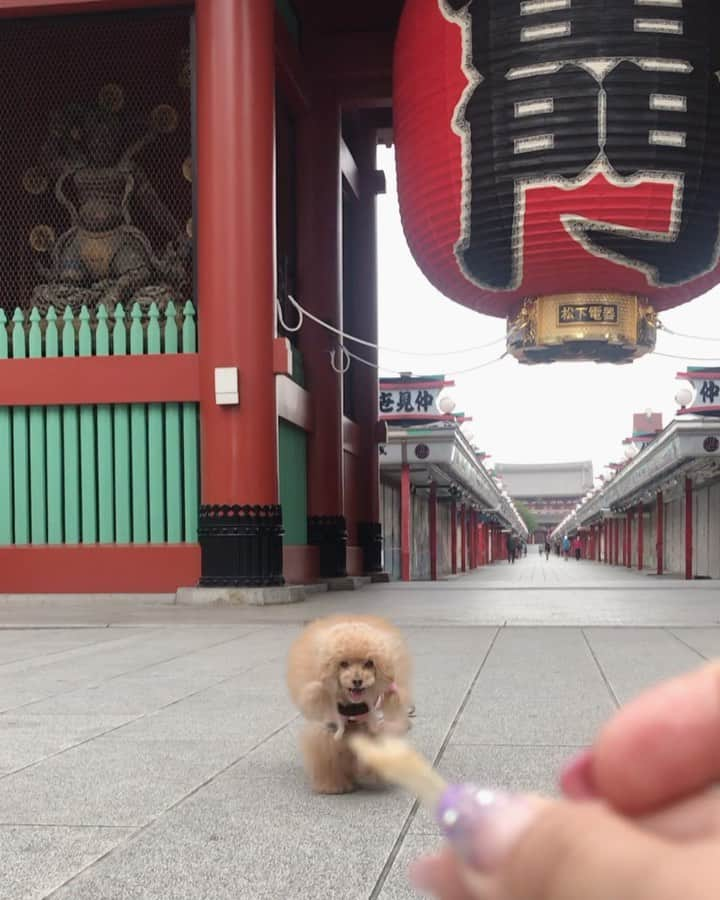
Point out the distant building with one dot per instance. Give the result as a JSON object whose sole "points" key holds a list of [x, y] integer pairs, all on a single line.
{"points": [[551, 491]]}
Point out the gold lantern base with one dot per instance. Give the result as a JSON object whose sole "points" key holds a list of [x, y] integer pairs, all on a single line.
{"points": [[598, 327]]}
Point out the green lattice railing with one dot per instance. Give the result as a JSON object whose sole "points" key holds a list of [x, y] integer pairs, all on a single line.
{"points": [[108, 473]]}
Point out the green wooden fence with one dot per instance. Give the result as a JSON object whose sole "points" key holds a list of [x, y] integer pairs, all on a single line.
{"points": [[114, 473]]}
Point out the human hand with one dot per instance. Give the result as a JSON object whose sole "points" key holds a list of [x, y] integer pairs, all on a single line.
{"points": [[648, 827]]}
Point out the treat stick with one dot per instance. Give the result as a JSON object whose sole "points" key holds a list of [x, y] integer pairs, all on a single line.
{"points": [[397, 762], [464, 812]]}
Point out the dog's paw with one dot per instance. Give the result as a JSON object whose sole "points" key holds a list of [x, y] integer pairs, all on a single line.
{"points": [[334, 786], [315, 700]]}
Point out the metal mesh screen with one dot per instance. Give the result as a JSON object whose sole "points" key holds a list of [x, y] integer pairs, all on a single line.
{"points": [[95, 174]]}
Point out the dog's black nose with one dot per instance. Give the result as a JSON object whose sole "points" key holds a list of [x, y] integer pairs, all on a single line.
{"points": [[357, 682]]}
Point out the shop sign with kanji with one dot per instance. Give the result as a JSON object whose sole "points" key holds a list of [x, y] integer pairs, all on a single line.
{"points": [[706, 385], [411, 399]]}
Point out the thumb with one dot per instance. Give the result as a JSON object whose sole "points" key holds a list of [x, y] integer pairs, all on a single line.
{"points": [[571, 851]]}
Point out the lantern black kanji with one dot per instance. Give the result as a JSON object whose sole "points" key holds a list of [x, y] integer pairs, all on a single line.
{"points": [[559, 163]]}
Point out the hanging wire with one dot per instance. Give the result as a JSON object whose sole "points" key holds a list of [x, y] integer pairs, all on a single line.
{"points": [[372, 365], [345, 355], [689, 337], [685, 358], [343, 335]]}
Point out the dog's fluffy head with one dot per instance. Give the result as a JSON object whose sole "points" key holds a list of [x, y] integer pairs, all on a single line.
{"points": [[357, 661]]}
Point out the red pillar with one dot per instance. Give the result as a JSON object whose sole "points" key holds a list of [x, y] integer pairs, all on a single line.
{"points": [[433, 532], [463, 538], [628, 530], [641, 537], [660, 533], [236, 283], [320, 289], [605, 541], [688, 529], [473, 540], [453, 537], [405, 524], [616, 545]]}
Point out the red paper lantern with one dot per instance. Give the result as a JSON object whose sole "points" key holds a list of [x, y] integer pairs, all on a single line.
{"points": [[559, 163]]}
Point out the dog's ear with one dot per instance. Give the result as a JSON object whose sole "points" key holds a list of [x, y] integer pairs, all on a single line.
{"points": [[384, 666]]}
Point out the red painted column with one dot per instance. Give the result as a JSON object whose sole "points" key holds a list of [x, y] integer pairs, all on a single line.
{"points": [[641, 538], [623, 555], [433, 505], [688, 529], [616, 545], [235, 247], [473, 540], [405, 523], [629, 528], [453, 537], [463, 538], [235, 230], [660, 533], [320, 290]]}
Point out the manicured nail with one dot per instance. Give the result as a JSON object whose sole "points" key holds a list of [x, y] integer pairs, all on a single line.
{"points": [[577, 778], [483, 825]]}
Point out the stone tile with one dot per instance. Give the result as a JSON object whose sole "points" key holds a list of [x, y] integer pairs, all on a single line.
{"points": [[128, 695], [397, 885], [115, 780], [537, 684], [704, 640], [633, 659], [35, 860], [24, 645], [167, 655], [256, 833], [27, 739], [518, 769]]}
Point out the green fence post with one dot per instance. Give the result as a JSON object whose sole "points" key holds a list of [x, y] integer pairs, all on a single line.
{"points": [[38, 471], [88, 452], [20, 459], [138, 442], [53, 442], [191, 455], [156, 445], [6, 475], [173, 453], [71, 444], [105, 450], [121, 418]]}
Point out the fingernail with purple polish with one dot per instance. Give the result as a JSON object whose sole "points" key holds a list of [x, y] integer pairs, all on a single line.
{"points": [[483, 825]]}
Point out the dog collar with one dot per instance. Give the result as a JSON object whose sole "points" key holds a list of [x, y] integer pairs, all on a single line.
{"points": [[353, 710]]}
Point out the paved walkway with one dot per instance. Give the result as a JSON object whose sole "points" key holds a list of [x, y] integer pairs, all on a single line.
{"points": [[149, 751]]}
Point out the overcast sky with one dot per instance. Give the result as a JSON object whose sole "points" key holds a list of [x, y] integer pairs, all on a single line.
{"points": [[551, 413]]}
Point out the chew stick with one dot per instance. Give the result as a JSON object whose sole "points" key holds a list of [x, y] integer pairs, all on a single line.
{"points": [[397, 762]]}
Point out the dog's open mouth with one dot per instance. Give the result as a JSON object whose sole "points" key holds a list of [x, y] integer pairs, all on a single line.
{"points": [[356, 694]]}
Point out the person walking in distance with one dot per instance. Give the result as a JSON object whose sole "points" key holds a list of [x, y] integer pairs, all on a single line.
{"points": [[511, 548], [577, 547], [547, 549], [566, 548]]}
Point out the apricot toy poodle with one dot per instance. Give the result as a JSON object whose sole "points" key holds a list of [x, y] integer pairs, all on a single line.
{"points": [[347, 673]]}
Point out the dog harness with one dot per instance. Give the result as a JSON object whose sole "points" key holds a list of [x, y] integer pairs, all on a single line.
{"points": [[358, 712]]}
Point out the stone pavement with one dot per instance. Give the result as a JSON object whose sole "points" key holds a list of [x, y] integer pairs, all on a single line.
{"points": [[149, 750]]}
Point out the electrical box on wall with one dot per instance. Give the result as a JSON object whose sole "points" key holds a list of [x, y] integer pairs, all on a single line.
{"points": [[226, 387]]}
